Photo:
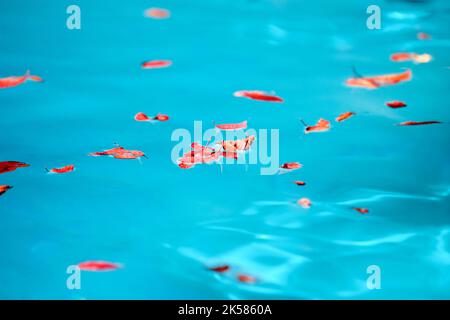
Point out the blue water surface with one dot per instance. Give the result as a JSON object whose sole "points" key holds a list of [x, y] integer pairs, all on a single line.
{"points": [[166, 224]]}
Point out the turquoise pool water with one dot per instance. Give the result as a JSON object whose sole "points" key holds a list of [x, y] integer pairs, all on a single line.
{"points": [[166, 224]]}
